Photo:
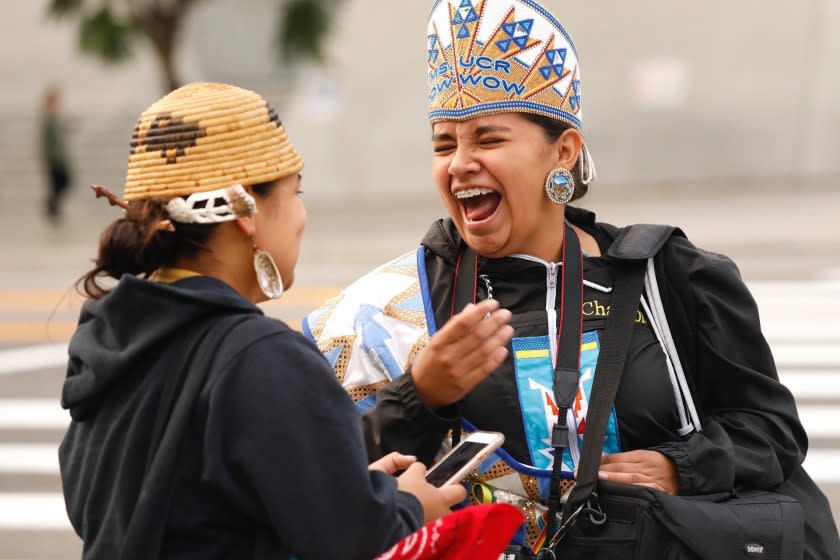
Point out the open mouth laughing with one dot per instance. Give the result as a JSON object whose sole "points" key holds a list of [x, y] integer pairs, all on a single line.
{"points": [[478, 204]]}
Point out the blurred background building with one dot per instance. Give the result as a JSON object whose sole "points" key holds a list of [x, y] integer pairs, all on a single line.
{"points": [[720, 116], [674, 93]]}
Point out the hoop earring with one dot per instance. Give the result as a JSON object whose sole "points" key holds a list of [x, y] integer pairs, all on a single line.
{"points": [[560, 186], [268, 277]]}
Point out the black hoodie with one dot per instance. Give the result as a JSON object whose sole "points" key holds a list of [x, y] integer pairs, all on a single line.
{"points": [[266, 449]]}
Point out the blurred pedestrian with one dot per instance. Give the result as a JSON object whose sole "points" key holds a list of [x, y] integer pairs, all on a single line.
{"points": [[53, 135], [201, 428]]}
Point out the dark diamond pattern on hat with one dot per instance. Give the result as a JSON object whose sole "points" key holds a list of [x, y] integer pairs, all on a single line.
{"points": [[171, 135], [272, 115]]}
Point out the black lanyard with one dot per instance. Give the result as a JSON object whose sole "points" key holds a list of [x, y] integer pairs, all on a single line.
{"points": [[569, 306], [568, 361]]}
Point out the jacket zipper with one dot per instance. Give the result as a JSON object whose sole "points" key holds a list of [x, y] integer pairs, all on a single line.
{"points": [[552, 270], [551, 309]]}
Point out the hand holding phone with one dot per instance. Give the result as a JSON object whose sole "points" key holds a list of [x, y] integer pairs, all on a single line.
{"points": [[393, 462], [436, 501], [456, 465]]}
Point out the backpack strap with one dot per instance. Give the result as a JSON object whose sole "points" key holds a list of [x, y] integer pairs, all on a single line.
{"points": [[627, 292], [632, 248], [641, 241], [567, 368]]}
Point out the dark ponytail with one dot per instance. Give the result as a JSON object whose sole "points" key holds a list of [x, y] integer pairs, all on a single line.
{"points": [[140, 243]]}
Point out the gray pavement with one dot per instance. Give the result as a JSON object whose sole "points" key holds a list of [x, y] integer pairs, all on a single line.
{"points": [[785, 241]]}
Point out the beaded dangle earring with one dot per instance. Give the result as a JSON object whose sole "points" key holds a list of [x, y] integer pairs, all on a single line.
{"points": [[560, 186], [268, 276]]}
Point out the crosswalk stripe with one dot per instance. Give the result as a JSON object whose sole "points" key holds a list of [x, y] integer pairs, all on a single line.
{"points": [[46, 511], [821, 464], [32, 414], [806, 354], [768, 295], [793, 289], [39, 414], [28, 358], [31, 458], [33, 511], [791, 346], [819, 421], [805, 384], [798, 329]]}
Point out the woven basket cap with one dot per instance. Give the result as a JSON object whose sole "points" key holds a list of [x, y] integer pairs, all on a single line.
{"points": [[206, 136]]}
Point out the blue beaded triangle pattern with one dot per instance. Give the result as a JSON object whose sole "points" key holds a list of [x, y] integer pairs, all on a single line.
{"points": [[434, 52], [466, 14], [556, 59], [518, 33]]}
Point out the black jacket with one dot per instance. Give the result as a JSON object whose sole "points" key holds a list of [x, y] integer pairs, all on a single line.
{"points": [[751, 434], [266, 449]]}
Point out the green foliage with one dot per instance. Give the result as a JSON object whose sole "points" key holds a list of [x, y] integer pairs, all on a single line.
{"points": [[304, 29], [102, 35], [61, 8], [304, 26]]}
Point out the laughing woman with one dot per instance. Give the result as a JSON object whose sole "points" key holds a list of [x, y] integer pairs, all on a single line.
{"points": [[699, 409]]}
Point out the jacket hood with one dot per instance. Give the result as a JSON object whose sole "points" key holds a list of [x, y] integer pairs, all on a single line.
{"points": [[444, 240], [129, 327]]}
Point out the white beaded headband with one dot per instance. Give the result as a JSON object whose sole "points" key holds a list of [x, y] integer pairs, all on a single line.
{"points": [[212, 207]]}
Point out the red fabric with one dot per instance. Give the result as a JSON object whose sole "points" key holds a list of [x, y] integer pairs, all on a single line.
{"points": [[473, 533]]}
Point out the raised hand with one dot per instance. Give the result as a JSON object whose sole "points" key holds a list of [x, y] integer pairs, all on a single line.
{"points": [[467, 349]]}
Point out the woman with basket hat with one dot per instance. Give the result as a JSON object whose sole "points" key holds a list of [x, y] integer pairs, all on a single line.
{"points": [[201, 428], [699, 409]]}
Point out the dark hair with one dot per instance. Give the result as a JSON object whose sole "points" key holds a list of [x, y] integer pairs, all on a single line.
{"points": [[553, 129], [136, 244]]}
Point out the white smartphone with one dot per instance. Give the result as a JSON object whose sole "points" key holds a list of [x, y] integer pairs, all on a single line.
{"points": [[456, 465]]}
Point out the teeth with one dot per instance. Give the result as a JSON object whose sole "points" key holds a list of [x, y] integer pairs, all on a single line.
{"points": [[469, 193]]}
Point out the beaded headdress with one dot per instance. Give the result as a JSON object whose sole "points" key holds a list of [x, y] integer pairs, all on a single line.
{"points": [[207, 138], [500, 56]]}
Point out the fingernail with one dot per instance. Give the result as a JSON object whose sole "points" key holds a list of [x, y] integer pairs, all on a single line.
{"points": [[603, 475]]}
